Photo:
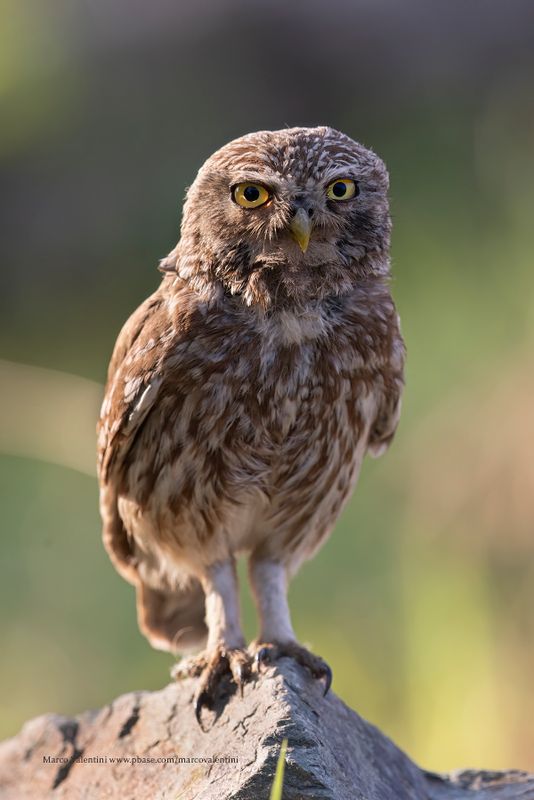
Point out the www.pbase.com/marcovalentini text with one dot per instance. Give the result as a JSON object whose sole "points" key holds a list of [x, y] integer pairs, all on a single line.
{"points": [[141, 760]]}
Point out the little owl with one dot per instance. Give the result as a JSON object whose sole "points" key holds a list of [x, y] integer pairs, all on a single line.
{"points": [[244, 393]]}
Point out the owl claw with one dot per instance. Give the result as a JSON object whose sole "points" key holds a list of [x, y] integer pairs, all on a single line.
{"points": [[319, 669], [327, 677], [203, 700], [220, 665], [263, 656], [190, 667], [240, 673]]}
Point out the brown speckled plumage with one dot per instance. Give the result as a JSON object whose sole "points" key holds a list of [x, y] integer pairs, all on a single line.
{"points": [[244, 393]]}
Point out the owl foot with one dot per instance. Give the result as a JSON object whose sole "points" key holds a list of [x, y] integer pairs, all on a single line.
{"points": [[190, 667], [213, 668], [267, 652]]}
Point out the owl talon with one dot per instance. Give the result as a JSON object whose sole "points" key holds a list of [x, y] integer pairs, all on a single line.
{"points": [[190, 667], [327, 678], [240, 679], [220, 665], [319, 669], [262, 657], [240, 672], [203, 700]]}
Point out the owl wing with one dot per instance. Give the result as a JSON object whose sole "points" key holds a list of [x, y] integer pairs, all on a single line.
{"points": [[387, 418], [135, 378], [133, 382], [131, 390], [385, 425]]}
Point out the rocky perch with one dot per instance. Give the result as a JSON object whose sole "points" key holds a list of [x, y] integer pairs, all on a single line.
{"points": [[148, 745]]}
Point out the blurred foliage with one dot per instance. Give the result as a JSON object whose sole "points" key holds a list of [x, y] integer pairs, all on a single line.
{"points": [[422, 601]]}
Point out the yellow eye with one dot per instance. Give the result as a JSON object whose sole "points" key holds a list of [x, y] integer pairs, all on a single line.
{"points": [[342, 189], [250, 195]]}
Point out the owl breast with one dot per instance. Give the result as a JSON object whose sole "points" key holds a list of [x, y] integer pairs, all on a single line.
{"points": [[257, 447]]}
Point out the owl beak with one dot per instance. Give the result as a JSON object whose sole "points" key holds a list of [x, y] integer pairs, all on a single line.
{"points": [[301, 228]]}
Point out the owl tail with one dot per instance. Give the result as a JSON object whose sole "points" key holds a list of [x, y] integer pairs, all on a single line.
{"points": [[172, 620]]}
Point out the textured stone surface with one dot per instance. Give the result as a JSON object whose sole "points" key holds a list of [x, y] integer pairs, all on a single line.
{"points": [[333, 753]]}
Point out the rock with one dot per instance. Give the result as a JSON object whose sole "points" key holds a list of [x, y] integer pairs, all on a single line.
{"points": [[148, 745]]}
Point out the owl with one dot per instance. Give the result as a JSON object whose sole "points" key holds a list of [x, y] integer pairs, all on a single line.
{"points": [[243, 395]]}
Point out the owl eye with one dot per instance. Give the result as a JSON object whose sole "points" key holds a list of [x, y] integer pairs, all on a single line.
{"points": [[342, 189], [250, 195]]}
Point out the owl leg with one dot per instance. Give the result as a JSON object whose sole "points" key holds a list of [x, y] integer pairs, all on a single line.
{"points": [[276, 637], [225, 653]]}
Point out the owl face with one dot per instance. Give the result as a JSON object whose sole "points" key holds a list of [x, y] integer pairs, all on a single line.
{"points": [[290, 214]]}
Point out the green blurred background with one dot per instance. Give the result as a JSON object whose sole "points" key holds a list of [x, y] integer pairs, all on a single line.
{"points": [[422, 601]]}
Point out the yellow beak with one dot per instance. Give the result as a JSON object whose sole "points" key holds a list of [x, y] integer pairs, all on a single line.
{"points": [[301, 228]]}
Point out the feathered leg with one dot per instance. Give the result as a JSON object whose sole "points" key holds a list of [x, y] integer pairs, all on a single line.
{"points": [[276, 637], [225, 652]]}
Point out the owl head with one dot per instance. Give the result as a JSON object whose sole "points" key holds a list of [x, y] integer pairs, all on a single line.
{"points": [[285, 217]]}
